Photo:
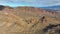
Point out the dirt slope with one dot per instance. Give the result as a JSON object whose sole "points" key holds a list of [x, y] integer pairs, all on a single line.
{"points": [[26, 20]]}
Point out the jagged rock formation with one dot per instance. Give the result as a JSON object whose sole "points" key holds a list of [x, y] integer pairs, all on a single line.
{"points": [[26, 20]]}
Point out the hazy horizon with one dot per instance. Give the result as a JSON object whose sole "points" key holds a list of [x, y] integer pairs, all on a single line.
{"points": [[33, 3]]}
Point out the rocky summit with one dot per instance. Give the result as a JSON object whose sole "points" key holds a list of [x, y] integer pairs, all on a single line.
{"points": [[28, 20]]}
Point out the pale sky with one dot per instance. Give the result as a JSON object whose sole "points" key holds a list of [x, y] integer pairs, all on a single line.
{"points": [[35, 3]]}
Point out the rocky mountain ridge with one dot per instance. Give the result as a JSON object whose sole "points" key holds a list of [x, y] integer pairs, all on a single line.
{"points": [[26, 20]]}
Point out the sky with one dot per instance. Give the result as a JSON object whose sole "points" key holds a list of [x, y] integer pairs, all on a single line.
{"points": [[34, 3]]}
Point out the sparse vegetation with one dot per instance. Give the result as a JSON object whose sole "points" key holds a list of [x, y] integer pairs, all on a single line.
{"points": [[27, 20]]}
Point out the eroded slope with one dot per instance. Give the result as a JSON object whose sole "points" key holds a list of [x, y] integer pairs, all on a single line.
{"points": [[26, 20]]}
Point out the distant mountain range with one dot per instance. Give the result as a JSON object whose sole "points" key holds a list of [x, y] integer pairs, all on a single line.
{"points": [[52, 7]]}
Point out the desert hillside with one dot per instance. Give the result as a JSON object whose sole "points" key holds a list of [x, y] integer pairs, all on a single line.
{"points": [[28, 20]]}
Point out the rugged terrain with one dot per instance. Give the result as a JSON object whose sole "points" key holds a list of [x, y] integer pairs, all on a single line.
{"points": [[28, 20]]}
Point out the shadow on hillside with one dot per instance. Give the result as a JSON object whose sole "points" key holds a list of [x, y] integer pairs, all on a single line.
{"points": [[51, 27], [2, 7]]}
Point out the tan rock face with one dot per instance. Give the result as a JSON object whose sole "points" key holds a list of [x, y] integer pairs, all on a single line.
{"points": [[25, 20]]}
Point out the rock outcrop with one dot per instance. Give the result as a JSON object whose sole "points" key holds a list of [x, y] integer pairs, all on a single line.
{"points": [[26, 20]]}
